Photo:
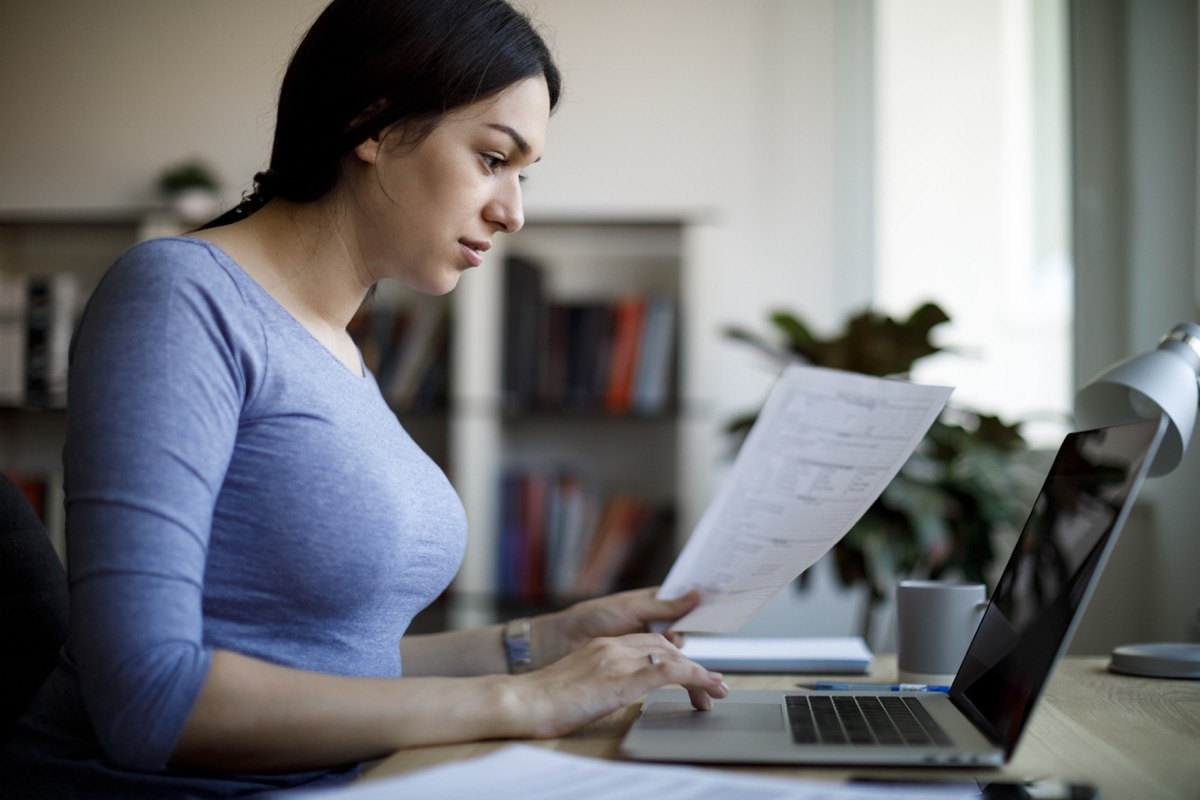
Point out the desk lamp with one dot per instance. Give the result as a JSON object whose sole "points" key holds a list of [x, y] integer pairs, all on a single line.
{"points": [[1162, 382]]}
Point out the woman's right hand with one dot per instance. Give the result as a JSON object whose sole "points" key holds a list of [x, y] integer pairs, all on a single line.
{"points": [[601, 677]]}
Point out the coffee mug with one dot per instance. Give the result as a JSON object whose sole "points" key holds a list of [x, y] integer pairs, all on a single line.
{"points": [[935, 621]]}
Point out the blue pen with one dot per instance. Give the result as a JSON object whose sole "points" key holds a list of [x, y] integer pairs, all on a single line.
{"points": [[824, 686]]}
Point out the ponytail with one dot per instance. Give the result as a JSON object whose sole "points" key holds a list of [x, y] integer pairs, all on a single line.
{"points": [[263, 192]]}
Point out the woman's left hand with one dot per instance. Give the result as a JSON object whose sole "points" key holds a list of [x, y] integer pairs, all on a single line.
{"points": [[556, 635]]}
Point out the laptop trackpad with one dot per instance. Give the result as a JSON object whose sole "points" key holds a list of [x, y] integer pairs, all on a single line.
{"points": [[731, 717]]}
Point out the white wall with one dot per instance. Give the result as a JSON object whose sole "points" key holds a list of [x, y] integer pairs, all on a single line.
{"points": [[706, 107], [96, 97]]}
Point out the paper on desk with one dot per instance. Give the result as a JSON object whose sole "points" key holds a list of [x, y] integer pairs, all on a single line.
{"points": [[525, 772], [823, 448]]}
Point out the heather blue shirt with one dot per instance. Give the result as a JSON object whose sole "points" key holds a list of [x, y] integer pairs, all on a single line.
{"points": [[229, 484]]}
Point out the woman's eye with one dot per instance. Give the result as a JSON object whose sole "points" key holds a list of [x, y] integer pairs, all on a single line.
{"points": [[494, 163]]}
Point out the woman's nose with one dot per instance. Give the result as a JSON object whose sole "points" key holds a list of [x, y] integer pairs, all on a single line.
{"points": [[507, 208]]}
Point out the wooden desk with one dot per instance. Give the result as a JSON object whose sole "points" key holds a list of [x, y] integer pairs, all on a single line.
{"points": [[1133, 738]]}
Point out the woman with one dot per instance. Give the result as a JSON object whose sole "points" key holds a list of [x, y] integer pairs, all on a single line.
{"points": [[251, 530]]}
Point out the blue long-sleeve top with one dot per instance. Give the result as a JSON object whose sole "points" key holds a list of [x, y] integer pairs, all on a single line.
{"points": [[230, 484]]}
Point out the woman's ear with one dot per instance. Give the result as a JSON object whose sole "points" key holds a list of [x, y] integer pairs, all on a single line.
{"points": [[368, 149]]}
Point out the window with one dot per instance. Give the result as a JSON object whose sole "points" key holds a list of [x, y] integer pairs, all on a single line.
{"points": [[972, 206]]}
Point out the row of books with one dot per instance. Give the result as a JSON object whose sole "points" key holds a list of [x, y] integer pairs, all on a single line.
{"points": [[563, 537], [37, 316], [610, 356], [407, 349]]}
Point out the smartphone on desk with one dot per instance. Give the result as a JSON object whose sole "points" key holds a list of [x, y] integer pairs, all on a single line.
{"points": [[1048, 789], [1036, 790]]}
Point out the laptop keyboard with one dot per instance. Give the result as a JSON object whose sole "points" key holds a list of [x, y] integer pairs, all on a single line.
{"points": [[852, 719]]}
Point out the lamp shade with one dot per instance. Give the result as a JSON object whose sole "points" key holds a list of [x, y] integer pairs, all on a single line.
{"points": [[1161, 382]]}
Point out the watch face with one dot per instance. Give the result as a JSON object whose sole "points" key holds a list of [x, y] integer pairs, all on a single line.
{"points": [[516, 646]]}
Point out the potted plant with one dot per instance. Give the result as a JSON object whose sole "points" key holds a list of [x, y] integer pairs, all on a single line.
{"points": [[941, 515], [192, 189]]}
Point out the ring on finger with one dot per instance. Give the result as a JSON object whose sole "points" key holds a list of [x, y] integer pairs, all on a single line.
{"points": [[654, 659]]}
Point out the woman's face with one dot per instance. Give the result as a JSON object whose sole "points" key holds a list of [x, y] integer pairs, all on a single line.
{"points": [[423, 215]]}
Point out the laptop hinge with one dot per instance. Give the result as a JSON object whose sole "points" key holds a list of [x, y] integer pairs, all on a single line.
{"points": [[981, 723]]}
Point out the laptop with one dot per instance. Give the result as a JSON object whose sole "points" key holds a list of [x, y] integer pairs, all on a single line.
{"points": [[1025, 629]]}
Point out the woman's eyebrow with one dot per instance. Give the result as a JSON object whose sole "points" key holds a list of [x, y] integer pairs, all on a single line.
{"points": [[522, 145]]}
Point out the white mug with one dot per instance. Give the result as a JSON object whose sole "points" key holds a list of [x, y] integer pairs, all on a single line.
{"points": [[935, 622]]}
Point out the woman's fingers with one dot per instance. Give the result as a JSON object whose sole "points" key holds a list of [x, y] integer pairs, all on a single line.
{"points": [[608, 673], [702, 685]]}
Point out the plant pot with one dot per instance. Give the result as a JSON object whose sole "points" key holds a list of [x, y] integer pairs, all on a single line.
{"points": [[195, 205]]}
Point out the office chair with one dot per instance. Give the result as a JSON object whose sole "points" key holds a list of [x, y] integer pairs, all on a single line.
{"points": [[33, 605]]}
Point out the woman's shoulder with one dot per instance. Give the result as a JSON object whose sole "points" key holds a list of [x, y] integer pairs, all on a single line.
{"points": [[172, 253], [175, 264], [174, 280]]}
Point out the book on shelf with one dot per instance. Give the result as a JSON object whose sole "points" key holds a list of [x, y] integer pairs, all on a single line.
{"points": [[407, 350], [590, 329], [626, 346], [422, 343], [655, 365], [37, 317], [524, 330], [12, 339], [564, 537], [611, 543], [614, 356]]}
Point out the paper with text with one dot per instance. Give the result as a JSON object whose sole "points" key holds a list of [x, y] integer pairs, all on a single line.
{"points": [[823, 448], [527, 772]]}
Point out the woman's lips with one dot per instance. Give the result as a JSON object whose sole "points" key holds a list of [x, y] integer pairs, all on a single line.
{"points": [[473, 251]]}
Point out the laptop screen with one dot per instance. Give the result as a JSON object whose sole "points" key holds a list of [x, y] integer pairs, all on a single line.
{"points": [[1049, 577]]}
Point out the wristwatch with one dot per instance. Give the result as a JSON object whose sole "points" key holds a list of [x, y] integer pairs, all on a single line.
{"points": [[517, 645]]}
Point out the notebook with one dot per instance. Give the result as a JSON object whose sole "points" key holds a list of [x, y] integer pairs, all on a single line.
{"points": [[1030, 618], [817, 655]]}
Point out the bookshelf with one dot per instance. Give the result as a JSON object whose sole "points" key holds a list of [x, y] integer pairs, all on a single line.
{"points": [[405, 341], [656, 453], [619, 451], [49, 263]]}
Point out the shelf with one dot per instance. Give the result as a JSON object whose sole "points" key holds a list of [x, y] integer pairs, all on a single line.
{"points": [[465, 425], [71, 250], [585, 263]]}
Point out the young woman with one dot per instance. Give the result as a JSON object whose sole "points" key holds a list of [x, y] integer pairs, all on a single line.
{"points": [[251, 531]]}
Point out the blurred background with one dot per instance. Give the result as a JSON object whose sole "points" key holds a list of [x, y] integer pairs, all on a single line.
{"points": [[1028, 165]]}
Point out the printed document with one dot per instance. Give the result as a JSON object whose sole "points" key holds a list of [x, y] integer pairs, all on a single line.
{"points": [[528, 772], [823, 448]]}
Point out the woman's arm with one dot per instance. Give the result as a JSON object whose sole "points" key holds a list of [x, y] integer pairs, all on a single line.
{"points": [[255, 716], [454, 654]]}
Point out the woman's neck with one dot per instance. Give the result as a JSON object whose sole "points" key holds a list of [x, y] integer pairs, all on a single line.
{"points": [[297, 252]]}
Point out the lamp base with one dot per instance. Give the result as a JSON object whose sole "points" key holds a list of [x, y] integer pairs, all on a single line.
{"points": [[1157, 660]]}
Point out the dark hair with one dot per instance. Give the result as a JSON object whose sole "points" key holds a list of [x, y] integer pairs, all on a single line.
{"points": [[367, 64]]}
